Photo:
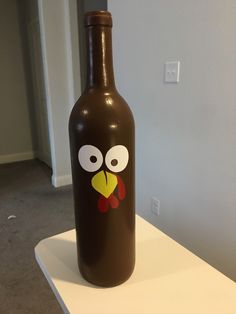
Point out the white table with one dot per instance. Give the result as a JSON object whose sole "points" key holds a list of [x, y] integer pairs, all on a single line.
{"points": [[167, 279]]}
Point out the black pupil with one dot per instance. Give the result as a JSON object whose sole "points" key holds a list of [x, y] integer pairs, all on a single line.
{"points": [[114, 162], [93, 159]]}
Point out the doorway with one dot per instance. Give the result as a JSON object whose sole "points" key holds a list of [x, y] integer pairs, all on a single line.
{"points": [[34, 76], [42, 151], [23, 114]]}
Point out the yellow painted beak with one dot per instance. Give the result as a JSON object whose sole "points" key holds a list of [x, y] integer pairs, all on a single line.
{"points": [[104, 182]]}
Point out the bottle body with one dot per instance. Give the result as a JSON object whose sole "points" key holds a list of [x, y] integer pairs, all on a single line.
{"points": [[102, 140]]}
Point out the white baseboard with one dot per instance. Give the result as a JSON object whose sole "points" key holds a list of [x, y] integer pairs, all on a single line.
{"points": [[58, 181], [5, 159]]}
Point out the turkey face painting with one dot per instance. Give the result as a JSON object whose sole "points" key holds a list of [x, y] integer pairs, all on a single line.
{"points": [[108, 184]]}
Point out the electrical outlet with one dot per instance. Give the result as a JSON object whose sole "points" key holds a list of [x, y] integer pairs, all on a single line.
{"points": [[155, 206]]}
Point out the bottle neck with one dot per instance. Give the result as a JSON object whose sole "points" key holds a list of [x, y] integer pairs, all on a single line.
{"points": [[99, 57]]}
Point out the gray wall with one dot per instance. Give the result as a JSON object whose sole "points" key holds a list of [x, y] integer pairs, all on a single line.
{"points": [[28, 13], [186, 132], [15, 133]]}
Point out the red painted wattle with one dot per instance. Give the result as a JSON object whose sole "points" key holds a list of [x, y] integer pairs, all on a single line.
{"points": [[112, 201], [121, 188]]}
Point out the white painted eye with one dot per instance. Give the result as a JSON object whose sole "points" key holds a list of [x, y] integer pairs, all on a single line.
{"points": [[90, 158], [117, 158]]}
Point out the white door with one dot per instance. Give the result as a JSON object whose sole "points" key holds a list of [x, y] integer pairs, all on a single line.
{"points": [[43, 146]]}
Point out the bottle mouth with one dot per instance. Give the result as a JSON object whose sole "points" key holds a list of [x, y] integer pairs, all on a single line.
{"points": [[93, 18]]}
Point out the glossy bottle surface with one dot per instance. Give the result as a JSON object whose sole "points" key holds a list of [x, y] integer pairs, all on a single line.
{"points": [[101, 131]]}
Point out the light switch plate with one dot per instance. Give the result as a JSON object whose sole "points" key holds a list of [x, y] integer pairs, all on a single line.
{"points": [[172, 70]]}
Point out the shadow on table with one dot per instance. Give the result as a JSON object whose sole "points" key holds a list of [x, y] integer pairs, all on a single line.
{"points": [[63, 261], [154, 258]]}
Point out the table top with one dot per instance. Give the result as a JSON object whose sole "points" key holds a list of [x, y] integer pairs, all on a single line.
{"points": [[168, 279]]}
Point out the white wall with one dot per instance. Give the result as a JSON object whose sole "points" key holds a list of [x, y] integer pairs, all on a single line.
{"points": [[186, 132], [15, 133], [58, 25]]}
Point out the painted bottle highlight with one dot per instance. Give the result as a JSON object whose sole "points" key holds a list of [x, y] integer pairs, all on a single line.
{"points": [[101, 129]]}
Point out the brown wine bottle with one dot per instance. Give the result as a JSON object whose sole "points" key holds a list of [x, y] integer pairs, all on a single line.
{"points": [[101, 129]]}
